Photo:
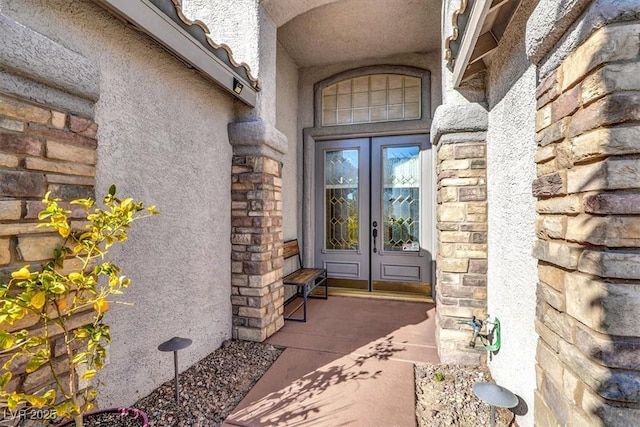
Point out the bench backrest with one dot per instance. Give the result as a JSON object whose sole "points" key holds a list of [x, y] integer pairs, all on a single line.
{"points": [[291, 248]]}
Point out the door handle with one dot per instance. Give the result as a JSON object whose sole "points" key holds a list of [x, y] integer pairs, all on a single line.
{"points": [[375, 235]]}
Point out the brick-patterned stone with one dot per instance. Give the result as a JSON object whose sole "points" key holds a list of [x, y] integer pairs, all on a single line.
{"points": [[610, 78], [570, 204], [610, 174], [71, 153], [39, 164], [9, 161], [20, 144], [554, 133], [62, 135], [603, 306], [10, 210], [471, 194], [566, 104], [256, 251], [5, 254], [613, 203], [563, 254], [22, 111], [608, 44], [71, 192], [547, 90], [550, 185], [546, 335], [544, 154], [38, 248], [543, 117], [612, 109], [13, 125], [70, 179], [58, 119], [454, 265], [552, 276], [603, 142], [607, 350], [452, 212], [618, 264], [465, 151], [21, 184]]}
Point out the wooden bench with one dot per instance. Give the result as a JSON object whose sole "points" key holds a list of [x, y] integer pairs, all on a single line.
{"points": [[305, 280]]}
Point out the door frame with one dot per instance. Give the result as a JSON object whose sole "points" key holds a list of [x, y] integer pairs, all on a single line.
{"points": [[363, 262], [308, 170], [307, 161]]}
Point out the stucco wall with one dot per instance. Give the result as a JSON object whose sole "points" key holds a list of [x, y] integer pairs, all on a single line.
{"points": [[162, 138], [512, 271], [287, 123]]}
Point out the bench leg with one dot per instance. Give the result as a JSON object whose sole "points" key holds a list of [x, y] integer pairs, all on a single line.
{"points": [[303, 294]]}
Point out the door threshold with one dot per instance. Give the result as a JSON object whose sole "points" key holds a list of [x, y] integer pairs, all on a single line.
{"points": [[399, 296]]}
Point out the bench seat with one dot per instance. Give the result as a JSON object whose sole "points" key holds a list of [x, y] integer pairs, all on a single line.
{"points": [[305, 280]]}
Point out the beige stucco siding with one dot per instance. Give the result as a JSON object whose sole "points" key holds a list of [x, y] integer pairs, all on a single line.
{"points": [[512, 270], [286, 122], [162, 138]]}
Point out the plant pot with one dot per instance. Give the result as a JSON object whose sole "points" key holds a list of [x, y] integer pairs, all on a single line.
{"points": [[113, 414]]}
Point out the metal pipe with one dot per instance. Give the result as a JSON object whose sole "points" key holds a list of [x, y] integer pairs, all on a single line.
{"points": [[177, 386]]}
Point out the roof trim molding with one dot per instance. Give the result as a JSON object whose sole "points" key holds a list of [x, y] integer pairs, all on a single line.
{"points": [[455, 31], [477, 16], [190, 41]]}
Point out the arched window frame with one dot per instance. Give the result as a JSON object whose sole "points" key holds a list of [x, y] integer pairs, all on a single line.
{"points": [[424, 102]]}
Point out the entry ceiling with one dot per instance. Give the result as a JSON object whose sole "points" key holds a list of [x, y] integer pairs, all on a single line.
{"points": [[347, 30]]}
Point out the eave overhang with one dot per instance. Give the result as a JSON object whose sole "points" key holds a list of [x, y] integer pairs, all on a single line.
{"points": [[477, 27], [190, 41]]}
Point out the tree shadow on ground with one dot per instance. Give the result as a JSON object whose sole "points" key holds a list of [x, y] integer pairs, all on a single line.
{"points": [[306, 401]]}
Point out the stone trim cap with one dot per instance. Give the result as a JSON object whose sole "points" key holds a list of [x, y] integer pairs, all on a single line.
{"points": [[256, 134], [30, 54], [458, 118]]}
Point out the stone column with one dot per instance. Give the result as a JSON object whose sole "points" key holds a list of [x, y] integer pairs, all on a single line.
{"points": [[257, 293], [588, 190], [459, 135]]}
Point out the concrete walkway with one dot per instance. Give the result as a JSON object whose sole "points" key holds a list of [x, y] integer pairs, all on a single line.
{"points": [[350, 364]]}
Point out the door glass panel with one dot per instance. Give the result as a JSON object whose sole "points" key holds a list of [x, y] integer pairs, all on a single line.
{"points": [[401, 198], [341, 200]]}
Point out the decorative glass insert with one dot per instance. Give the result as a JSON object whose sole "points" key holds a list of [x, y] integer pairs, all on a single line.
{"points": [[341, 200], [373, 98], [401, 198]]}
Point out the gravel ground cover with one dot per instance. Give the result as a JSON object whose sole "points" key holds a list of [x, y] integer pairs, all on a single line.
{"points": [[210, 389], [444, 397], [213, 387]]}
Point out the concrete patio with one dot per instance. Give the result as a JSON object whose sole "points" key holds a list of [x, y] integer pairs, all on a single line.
{"points": [[351, 363]]}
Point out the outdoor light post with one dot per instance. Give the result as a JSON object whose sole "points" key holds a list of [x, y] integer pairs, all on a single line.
{"points": [[175, 344], [495, 395]]}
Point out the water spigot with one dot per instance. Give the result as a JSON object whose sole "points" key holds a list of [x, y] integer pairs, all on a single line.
{"points": [[476, 325]]}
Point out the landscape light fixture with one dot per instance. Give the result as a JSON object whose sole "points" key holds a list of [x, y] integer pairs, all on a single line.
{"points": [[175, 344], [237, 86], [495, 396]]}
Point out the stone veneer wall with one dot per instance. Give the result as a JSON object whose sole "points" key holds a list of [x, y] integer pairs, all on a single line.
{"points": [[257, 291], [588, 227], [41, 149], [461, 264]]}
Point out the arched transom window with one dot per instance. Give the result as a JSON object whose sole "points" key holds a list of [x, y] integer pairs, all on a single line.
{"points": [[372, 98]]}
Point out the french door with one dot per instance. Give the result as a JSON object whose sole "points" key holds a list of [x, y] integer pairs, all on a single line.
{"points": [[373, 213]]}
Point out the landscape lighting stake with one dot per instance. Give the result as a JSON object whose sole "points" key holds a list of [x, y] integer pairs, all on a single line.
{"points": [[175, 344], [495, 395]]}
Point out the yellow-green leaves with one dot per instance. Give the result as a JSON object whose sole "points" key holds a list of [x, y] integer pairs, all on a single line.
{"points": [[75, 281], [38, 299], [22, 274], [38, 359]]}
